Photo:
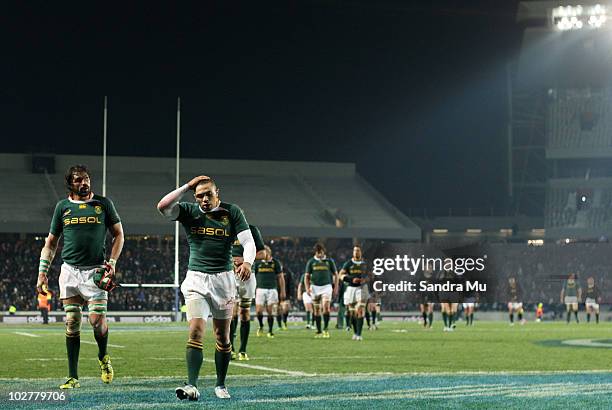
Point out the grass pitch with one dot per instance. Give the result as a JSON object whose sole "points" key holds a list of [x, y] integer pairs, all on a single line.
{"points": [[540, 365]]}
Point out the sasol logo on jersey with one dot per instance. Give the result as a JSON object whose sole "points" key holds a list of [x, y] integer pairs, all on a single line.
{"points": [[82, 220], [201, 230]]}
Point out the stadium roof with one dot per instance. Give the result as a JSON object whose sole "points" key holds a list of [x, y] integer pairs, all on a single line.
{"points": [[308, 199]]}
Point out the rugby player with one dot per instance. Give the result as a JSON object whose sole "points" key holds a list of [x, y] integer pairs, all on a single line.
{"points": [[515, 304], [449, 300], [570, 295], [592, 300], [321, 281], [427, 299], [354, 273], [83, 219], [245, 292], [305, 298], [210, 285], [285, 305], [269, 273]]}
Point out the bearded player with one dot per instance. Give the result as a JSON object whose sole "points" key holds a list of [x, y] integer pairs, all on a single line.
{"points": [[85, 276], [245, 292], [270, 278], [321, 281], [354, 273], [210, 284]]}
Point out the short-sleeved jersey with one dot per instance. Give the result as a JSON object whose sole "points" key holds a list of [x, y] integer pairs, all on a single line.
{"points": [[571, 288], [592, 293], [321, 271], [238, 250], [266, 273], [210, 235], [84, 225], [355, 269], [302, 282]]}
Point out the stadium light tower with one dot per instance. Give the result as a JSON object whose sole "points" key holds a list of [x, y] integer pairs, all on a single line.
{"points": [[577, 17]]}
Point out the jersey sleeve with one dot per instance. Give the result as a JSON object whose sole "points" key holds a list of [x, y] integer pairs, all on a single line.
{"points": [[278, 267], [332, 266], [308, 267], [183, 211], [238, 219], [56, 222], [112, 216], [346, 266], [259, 242]]}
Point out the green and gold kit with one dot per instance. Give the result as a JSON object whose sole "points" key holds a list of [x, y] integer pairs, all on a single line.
{"points": [[266, 273], [210, 235], [84, 225], [571, 288], [321, 271], [355, 269], [592, 293]]}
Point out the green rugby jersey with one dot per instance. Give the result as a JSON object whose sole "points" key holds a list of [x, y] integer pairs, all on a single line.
{"points": [[355, 269], [592, 293], [321, 271], [571, 288], [210, 235], [84, 225], [238, 250], [266, 273]]}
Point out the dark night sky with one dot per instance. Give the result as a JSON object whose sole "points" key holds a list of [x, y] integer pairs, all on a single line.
{"points": [[414, 93]]}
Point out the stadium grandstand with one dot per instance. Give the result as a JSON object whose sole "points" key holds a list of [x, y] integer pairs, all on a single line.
{"points": [[561, 126], [283, 198]]}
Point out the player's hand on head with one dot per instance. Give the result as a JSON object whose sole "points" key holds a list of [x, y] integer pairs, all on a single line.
{"points": [[244, 271], [42, 284], [195, 181]]}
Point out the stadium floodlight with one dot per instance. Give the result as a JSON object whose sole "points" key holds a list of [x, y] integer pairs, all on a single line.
{"points": [[566, 18]]}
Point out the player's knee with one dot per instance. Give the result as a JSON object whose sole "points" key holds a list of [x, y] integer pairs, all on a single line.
{"points": [[196, 333], [221, 336], [73, 320]]}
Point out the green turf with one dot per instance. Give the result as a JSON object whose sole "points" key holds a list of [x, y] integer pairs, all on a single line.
{"points": [[158, 350], [394, 353]]}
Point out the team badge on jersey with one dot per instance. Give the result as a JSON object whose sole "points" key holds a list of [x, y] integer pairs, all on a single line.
{"points": [[224, 220], [98, 209]]}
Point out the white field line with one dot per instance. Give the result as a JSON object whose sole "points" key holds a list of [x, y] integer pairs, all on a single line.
{"points": [[95, 344], [269, 369], [519, 390], [82, 341], [247, 366], [26, 334], [345, 376]]}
